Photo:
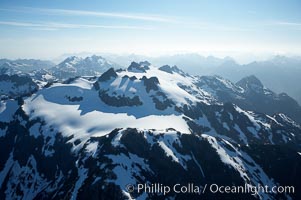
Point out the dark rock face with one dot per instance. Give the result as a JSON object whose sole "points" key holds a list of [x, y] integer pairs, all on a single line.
{"points": [[171, 70], [145, 64], [107, 75], [133, 65], [119, 101], [16, 86], [251, 83], [166, 68], [139, 67], [74, 99], [43, 157], [17, 80], [55, 174], [273, 158], [266, 101], [163, 103], [150, 83], [250, 94]]}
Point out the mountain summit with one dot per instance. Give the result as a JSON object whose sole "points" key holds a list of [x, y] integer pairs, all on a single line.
{"points": [[75, 66], [251, 83]]}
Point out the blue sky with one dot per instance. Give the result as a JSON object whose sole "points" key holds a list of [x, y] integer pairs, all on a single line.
{"points": [[46, 29]]}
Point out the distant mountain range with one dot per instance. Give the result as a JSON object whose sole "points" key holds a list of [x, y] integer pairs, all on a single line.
{"points": [[77, 66], [20, 66], [45, 71], [250, 94], [90, 136], [280, 73]]}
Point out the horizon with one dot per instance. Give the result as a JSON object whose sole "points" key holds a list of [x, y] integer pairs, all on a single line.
{"points": [[245, 31], [106, 55]]}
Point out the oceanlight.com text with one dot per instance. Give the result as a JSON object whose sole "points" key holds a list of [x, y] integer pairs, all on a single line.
{"points": [[191, 188]]}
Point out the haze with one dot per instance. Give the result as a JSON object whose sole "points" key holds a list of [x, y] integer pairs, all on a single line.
{"points": [[245, 30]]}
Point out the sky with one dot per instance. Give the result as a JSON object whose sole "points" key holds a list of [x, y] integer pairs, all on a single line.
{"points": [[241, 29]]}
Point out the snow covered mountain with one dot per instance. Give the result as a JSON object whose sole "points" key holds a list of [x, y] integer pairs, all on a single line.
{"points": [[23, 66], [47, 71], [250, 94], [89, 137], [16, 86], [43, 75], [273, 72], [76, 66], [37, 70]]}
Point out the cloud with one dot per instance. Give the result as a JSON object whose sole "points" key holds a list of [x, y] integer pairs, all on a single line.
{"points": [[133, 16], [288, 24], [285, 23], [173, 21], [56, 26], [24, 24], [206, 26]]}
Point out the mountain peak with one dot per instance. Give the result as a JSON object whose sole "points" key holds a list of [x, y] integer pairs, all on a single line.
{"points": [[71, 58], [94, 58], [140, 67], [76, 66], [145, 63], [171, 70], [250, 82], [107, 75]]}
